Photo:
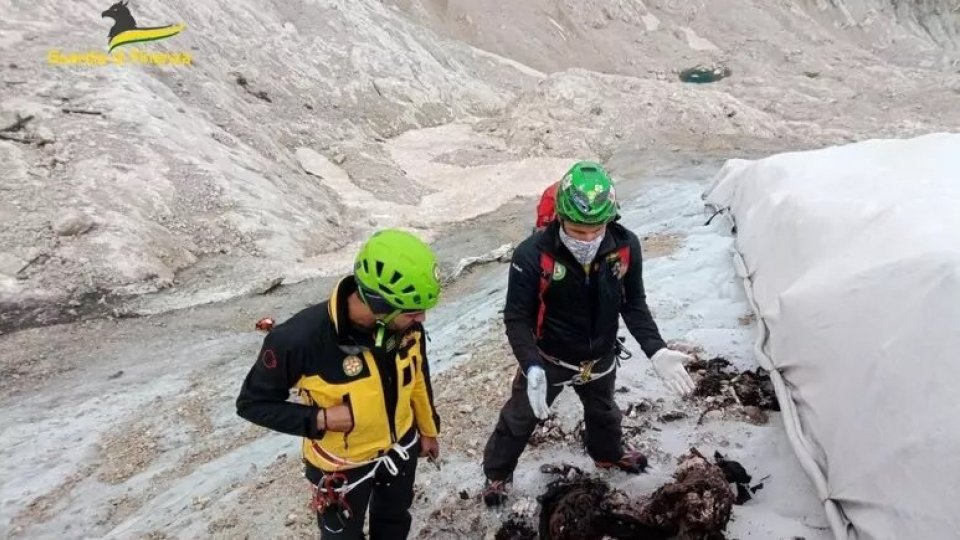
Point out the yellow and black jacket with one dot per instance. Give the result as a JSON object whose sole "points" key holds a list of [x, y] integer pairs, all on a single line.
{"points": [[318, 353]]}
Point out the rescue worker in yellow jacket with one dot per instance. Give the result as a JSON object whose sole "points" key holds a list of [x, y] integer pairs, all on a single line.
{"points": [[359, 365]]}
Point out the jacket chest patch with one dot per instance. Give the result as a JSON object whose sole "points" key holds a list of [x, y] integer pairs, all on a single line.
{"points": [[559, 272], [352, 366], [616, 266]]}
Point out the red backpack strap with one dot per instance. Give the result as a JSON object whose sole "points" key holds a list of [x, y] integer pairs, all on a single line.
{"points": [[624, 253], [546, 274]]}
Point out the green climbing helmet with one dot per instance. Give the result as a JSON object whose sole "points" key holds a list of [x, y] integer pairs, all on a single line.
{"points": [[586, 195], [399, 268]]}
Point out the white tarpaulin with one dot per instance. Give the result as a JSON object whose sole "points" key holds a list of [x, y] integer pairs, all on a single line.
{"points": [[851, 257]]}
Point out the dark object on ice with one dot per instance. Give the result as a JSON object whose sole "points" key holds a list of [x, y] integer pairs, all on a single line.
{"points": [[736, 474], [565, 470], [697, 505], [515, 529], [586, 510], [716, 374], [705, 74], [672, 416], [622, 390], [732, 470], [752, 388], [755, 388], [464, 496]]}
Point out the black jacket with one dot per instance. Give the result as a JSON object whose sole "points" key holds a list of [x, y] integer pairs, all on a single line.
{"points": [[318, 353], [582, 311]]}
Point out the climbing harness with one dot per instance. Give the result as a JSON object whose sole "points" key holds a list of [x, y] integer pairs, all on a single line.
{"points": [[584, 372], [331, 492]]}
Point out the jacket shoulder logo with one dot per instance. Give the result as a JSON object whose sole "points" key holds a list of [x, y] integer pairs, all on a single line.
{"points": [[352, 366]]}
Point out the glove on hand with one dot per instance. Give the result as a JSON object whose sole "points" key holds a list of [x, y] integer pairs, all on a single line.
{"points": [[537, 391], [669, 366]]}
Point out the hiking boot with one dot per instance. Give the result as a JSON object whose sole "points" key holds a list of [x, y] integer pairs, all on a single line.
{"points": [[632, 462], [495, 492]]}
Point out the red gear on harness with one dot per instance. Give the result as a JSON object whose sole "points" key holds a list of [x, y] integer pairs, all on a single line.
{"points": [[329, 494]]}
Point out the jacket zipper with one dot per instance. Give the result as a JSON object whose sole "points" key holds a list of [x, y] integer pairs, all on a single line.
{"points": [[353, 421]]}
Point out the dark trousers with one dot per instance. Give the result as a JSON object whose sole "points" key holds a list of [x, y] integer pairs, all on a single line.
{"points": [[389, 498], [517, 422]]}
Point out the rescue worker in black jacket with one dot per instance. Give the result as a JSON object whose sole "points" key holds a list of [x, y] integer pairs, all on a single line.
{"points": [[568, 286], [359, 364]]}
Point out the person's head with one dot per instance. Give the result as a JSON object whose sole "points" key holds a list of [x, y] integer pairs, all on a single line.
{"points": [[586, 201], [398, 278]]}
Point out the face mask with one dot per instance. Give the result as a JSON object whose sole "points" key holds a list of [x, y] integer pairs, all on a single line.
{"points": [[583, 251]]}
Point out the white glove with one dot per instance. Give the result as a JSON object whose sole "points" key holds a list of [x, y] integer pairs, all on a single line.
{"points": [[537, 392], [669, 366]]}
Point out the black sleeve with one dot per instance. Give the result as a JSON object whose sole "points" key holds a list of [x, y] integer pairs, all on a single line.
{"points": [[635, 312], [523, 302], [263, 396]]}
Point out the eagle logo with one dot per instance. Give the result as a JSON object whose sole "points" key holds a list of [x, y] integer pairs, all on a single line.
{"points": [[126, 31]]}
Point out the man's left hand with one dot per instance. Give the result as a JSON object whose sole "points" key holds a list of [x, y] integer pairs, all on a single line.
{"points": [[429, 447]]}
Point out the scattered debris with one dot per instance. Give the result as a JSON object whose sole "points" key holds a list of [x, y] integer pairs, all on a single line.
{"points": [[725, 390], [672, 416], [551, 430], [81, 111], [642, 406], [622, 390], [28, 140], [812, 74], [291, 520], [18, 125], [564, 470], [705, 74], [116, 375], [514, 529], [737, 475], [245, 84], [464, 495], [501, 254], [698, 504]]}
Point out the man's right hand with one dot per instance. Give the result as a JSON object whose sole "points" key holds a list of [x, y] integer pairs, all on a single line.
{"points": [[337, 418], [537, 392]]}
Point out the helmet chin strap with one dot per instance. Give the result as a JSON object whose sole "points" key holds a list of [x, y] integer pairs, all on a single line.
{"points": [[381, 321]]}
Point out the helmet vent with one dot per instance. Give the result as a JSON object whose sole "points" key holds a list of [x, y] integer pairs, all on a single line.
{"points": [[396, 277], [409, 289], [379, 268]]}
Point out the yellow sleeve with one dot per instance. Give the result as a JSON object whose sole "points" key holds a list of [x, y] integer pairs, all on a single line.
{"points": [[424, 411]]}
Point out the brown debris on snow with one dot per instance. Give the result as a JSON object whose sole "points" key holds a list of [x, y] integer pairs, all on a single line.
{"points": [[515, 530], [724, 389], [696, 506], [552, 430]]}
